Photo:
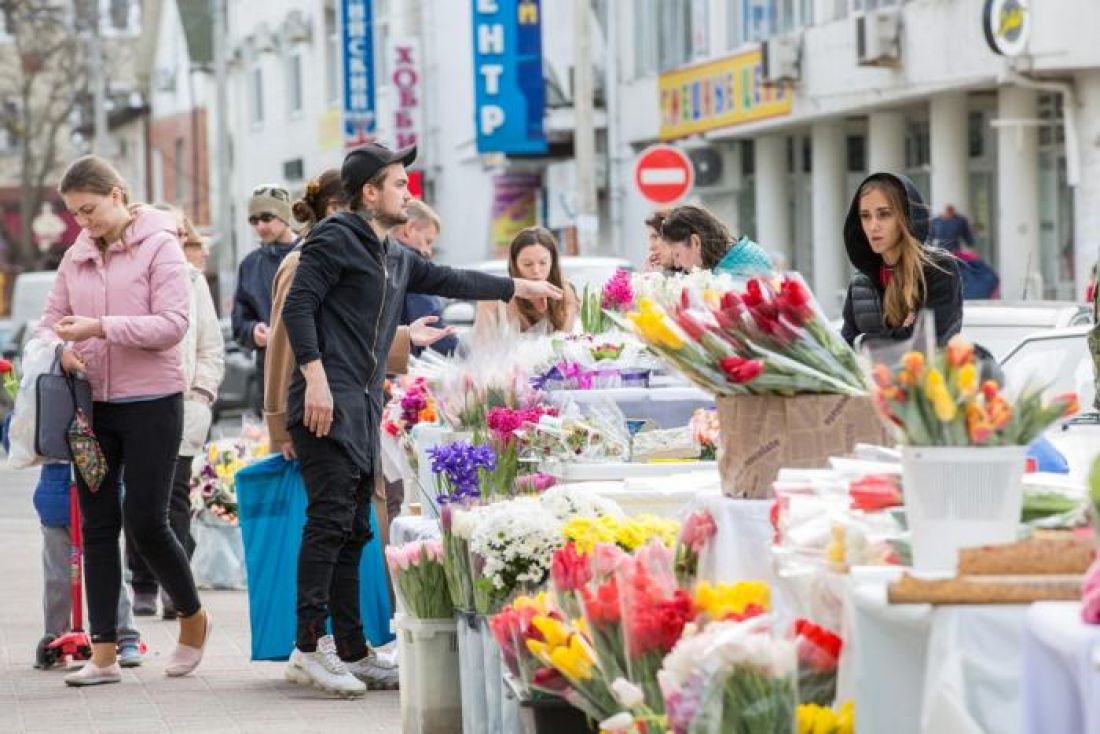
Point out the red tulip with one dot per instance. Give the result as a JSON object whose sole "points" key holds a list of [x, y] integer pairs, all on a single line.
{"points": [[6, 367]]}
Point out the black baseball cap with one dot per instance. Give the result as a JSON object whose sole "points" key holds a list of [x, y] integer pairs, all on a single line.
{"points": [[361, 164]]}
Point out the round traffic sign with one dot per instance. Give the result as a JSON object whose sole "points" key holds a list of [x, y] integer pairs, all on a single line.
{"points": [[663, 174]]}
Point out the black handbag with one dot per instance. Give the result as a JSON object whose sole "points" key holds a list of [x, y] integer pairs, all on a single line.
{"points": [[57, 396]]}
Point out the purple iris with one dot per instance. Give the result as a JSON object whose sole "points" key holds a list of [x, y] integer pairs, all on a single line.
{"points": [[459, 464]]}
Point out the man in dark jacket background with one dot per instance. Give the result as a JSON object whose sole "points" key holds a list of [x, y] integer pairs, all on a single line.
{"points": [[419, 235], [341, 315], [269, 214]]}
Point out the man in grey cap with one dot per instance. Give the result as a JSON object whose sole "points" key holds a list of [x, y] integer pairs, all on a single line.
{"points": [[270, 217], [341, 315]]}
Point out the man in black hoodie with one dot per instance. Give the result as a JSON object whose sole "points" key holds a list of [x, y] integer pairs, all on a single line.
{"points": [[341, 315], [863, 306], [269, 214]]}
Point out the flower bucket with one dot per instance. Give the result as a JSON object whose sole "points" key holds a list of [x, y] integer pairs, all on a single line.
{"points": [[960, 497], [430, 700]]}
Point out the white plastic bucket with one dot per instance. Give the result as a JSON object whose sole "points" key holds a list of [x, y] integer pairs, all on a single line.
{"points": [[960, 497], [430, 698]]}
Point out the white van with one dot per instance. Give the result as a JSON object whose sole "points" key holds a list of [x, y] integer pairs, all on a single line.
{"points": [[28, 298]]}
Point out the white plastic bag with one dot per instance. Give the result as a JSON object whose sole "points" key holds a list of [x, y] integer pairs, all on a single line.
{"points": [[218, 562], [38, 357]]}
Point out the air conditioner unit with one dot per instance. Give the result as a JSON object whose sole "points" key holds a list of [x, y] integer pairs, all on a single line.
{"points": [[781, 60], [878, 38], [297, 27], [714, 169]]}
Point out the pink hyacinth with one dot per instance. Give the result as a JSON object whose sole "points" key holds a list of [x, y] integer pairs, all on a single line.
{"points": [[698, 529], [618, 294]]}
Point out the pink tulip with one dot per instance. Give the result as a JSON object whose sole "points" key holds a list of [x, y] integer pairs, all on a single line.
{"points": [[391, 558]]}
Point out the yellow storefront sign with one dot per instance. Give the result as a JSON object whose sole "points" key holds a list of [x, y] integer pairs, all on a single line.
{"points": [[718, 94]]}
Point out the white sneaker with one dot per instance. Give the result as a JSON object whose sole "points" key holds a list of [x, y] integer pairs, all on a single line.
{"points": [[323, 670], [378, 675]]}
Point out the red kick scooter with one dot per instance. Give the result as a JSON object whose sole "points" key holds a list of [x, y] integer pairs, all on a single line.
{"points": [[75, 644]]}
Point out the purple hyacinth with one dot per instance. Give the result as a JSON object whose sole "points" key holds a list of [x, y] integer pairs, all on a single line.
{"points": [[459, 465]]}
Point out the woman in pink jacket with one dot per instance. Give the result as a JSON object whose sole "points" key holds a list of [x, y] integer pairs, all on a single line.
{"points": [[120, 303]]}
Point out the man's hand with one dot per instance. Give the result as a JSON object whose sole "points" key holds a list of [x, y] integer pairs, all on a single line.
{"points": [[259, 335], [78, 328], [536, 289], [318, 411], [71, 363], [422, 334], [288, 451]]}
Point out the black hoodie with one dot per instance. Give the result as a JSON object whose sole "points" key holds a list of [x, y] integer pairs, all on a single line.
{"points": [[863, 311], [343, 309]]}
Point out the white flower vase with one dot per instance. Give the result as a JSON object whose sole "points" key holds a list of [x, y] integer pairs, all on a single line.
{"points": [[960, 497]]}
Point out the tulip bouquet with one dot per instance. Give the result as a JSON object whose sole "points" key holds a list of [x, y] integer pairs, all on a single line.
{"points": [[696, 532], [511, 628], [771, 338], [570, 574], [508, 430], [937, 401], [706, 431], [602, 609], [818, 658], [420, 579], [730, 676], [817, 719], [10, 377], [733, 602]]}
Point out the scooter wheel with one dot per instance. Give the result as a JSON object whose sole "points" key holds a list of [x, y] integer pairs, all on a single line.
{"points": [[84, 652], [45, 657]]}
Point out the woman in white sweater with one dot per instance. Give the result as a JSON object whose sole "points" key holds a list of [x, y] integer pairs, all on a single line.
{"points": [[203, 350]]}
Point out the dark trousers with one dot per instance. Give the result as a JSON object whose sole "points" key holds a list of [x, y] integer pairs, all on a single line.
{"points": [[337, 527], [179, 518], [139, 441]]}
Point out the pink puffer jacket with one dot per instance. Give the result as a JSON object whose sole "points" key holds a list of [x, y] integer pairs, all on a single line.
{"points": [[141, 295]]}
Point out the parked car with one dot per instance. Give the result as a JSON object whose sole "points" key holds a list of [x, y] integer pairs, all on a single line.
{"points": [[1000, 326], [580, 271], [241, 388], [28, 299]]}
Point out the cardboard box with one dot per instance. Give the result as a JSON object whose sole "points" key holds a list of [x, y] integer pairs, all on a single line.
{"points": [[762, 434]]}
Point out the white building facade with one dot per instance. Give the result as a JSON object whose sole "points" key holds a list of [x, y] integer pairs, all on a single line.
{"points": [[857, 86]]}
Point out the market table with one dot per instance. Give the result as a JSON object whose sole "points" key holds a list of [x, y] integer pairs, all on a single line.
{"points": [[668, 407], [935, 670], [1061, 676]]}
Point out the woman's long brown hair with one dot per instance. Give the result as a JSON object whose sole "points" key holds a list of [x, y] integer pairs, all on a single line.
{"points": [[555, 310]]}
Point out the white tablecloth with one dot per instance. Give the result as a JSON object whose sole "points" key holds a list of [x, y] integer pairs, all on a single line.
{"points": [[1061, 677], [935, 670]]}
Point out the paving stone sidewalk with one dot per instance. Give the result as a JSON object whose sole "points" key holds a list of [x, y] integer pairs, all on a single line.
{"points": [[227, 694]]}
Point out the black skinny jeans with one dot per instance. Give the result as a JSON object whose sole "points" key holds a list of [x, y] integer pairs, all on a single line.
{"points": [[139, 441], [337, 527], [179, 518]]}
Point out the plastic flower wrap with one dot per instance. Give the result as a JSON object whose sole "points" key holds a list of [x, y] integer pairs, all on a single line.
{"points": [[420, 579], [697, 531], [654, 612], [458, 524], [770, 338], [459, 469], [567, 501], [818, 659], [213, 489], [511, 549], [597, 433], [10, 377], [731, 602], [508, 430], [937, 400], [602, 608], [511, 628], [730, 677], [706, 432], [563, 649]]}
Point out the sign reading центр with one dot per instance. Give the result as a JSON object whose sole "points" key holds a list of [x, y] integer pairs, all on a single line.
{"points": [[510, 94], [721, 93]]}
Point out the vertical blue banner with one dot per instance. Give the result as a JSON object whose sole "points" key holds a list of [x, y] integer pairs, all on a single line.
{"points": [[357, 42], [510, 94]]}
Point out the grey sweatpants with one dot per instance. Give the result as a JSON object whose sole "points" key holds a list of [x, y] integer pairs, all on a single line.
{"points": [[57, 600]]}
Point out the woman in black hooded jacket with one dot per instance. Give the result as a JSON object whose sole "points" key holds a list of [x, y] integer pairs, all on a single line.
{"points": [[897, 275]]}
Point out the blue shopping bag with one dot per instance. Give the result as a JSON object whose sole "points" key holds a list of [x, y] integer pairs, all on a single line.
{"points": [[272, 505]]}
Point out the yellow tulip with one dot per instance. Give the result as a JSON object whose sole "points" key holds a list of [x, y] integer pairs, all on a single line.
{"points": [[846, 718], [966, 380], [945, 407], [933, 383], [721, 601], [554, 632], [574, 660]]}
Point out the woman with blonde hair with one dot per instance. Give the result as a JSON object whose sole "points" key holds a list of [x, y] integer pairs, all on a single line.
{"points": [[120, 305], [897, 274]]}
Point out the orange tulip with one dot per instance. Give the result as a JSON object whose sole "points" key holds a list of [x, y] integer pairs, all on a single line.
{"points": [[906, 378], [977, 426], [990, 389], [883, 377], [999, 412], [1069, 402], [914, 362], [959, 352]]}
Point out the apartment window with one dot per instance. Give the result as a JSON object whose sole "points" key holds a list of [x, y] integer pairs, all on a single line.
{"points": [[294, 81], [179, 171], [663, 36], [918, 148], [859, 5], [117, 17], [332, 55], [256, 94], [752, 21]]}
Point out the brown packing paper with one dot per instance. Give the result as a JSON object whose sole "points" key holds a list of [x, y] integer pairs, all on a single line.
{"points": [[762, 434]]}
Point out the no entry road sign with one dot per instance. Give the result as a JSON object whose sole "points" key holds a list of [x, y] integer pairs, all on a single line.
{"points": [[663, 174]]}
